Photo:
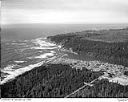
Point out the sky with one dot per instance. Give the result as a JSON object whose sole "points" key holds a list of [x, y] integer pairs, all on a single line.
{"points": [[64, 11]]}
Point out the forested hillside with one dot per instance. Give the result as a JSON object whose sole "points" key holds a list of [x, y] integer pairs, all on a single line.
{"points": [[54, 80], [57, 80], [96, 44]]}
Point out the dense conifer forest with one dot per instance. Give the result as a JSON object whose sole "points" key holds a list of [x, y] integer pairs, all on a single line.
{"points": [[103, 88], [98, 48], [56, 80]]}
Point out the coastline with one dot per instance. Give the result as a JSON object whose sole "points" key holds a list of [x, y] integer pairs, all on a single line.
{"points": [[46, 60], [32, 71], [28, 68]]}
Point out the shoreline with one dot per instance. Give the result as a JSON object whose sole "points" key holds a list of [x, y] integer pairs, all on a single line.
{"points": [[28, 68]]}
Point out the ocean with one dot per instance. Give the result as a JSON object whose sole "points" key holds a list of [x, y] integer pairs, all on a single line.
{"points": [[24, 46]]}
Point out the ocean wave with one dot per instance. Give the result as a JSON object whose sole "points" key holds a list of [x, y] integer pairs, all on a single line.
{"points": [[45, 55], [20, 71], [10, 67], [43, 48], [15, 70], [19, 61], [42, 43]]}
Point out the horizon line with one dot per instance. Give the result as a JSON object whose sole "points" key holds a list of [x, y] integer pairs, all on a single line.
{"points": [[59, 23]]}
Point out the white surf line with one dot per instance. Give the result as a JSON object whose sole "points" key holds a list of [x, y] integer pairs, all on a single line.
{"points": [[23, 70], [26, 69], [45, 55], [41, 48], [20, 71], [80, 88], [9, 67], [19, 61], [43, 44]]}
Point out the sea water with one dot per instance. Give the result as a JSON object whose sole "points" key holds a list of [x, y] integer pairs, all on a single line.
{"points": [[24, 47]]}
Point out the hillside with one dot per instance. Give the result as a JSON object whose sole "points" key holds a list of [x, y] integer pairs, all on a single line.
{"points": [[57, 80], [104, 45]]}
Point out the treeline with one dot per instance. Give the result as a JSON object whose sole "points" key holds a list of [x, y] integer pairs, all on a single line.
{"points": [[114, 52], [53, 80], [103, 88]]}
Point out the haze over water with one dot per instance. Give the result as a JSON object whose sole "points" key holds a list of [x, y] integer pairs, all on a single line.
{"points": [[31, 31]]}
